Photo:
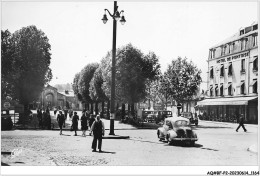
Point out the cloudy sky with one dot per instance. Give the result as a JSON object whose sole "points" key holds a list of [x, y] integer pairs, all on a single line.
{"points": [[170, 29]]}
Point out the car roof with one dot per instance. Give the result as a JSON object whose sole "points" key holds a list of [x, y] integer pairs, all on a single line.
{"points": [[174, 119]]}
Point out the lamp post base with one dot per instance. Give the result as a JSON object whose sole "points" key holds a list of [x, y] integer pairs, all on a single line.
{"points": [[111, 127]]}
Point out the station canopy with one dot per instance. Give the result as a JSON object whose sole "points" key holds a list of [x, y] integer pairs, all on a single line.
{"points": [[226, 101]]}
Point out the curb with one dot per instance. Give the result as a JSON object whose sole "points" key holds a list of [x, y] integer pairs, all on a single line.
{"points": [[115, 137], [228, 123], [253, 148]]}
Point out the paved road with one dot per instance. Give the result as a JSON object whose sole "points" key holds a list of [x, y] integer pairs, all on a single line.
{"points": [[219, 144]]}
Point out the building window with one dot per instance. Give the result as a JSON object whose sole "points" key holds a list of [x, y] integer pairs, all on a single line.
{"points": [[255, 27], [216, 90], [242, 44], [211, 90], [221, 90], [242, 87], [242, 32], [255, 63], [211, 72], [222, 70], [230, 69], [254, 40], [229, 48], [223, 50], [246, 43], [243, 70], [229, 88], [254, 85]]}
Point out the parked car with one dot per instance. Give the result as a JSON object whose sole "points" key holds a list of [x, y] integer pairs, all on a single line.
{"points": [[145, 114], [150, 118], [188, 115], [162, 114], [177, 129]]}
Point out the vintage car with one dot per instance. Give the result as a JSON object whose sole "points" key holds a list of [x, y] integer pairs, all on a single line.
{"points": [[188, 115], [177, 129]]}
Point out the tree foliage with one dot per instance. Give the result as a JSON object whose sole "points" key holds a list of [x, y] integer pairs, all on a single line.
{"points": [[133, 70], [25, 63], [84, 79], [182, 79]]}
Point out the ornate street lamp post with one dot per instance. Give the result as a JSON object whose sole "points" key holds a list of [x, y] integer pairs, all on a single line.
{"points": [[116, 17]]}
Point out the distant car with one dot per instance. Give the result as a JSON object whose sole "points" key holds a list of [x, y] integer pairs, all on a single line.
{"points": [[150, 118], [162, 114], [188, 115], [145, 114], [177, 129]]}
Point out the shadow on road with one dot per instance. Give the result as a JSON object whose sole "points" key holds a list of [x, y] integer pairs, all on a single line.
{"points": [[4, 164], [212, 127], [210, 149], [65, 135], [145, 141], [107, 152]]}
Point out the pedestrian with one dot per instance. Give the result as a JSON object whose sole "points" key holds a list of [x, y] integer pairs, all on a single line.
{"points": [[98, 129], [60, 120], [65, 112], [75, 119], [91, 120], [84, 124], [241, 123], [39, 116], [55, 110], [70, 113], [48, 119]]}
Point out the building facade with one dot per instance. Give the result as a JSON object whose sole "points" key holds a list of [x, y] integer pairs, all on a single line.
{"points": [[233, 78], [50, 97]]}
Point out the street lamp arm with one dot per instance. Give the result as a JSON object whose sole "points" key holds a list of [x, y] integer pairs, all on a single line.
{"points": [[109, 13]]}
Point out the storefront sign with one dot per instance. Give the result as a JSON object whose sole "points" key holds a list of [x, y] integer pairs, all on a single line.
{"points": [[229, 58]]}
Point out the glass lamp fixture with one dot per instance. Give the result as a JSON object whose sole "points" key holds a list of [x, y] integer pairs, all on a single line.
{"points": [[104, 19]]}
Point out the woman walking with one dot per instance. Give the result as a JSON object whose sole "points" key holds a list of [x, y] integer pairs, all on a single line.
{"points": [[75, 119], [84, 124]]}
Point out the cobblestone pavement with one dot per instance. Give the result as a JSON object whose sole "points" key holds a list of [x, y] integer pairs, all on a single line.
{"points": [[218, 144]]}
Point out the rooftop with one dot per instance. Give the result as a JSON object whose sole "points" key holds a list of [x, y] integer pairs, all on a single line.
{"points": [[247, 31]]}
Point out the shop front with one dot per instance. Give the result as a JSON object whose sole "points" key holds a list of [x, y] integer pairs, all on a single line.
{"points": [[229, 109]]}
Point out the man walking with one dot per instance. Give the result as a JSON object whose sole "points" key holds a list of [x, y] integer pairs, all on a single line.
{"points": [[241, 123], [61, 120], [98, 129]]}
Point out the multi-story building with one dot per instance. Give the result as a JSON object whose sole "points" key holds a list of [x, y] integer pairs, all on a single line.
{"points": [[232, 78]]}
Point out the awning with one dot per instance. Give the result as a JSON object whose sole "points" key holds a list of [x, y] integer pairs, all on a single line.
{"points": [[226, 101]]}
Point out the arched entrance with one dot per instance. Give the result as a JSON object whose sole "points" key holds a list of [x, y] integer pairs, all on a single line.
{"points": [[49, 100]]}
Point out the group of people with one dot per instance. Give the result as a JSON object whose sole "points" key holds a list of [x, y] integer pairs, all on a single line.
{"points": [[44, 118], [87, 121]]}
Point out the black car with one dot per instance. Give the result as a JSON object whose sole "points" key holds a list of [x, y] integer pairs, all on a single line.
{"points": [[188, 115]]}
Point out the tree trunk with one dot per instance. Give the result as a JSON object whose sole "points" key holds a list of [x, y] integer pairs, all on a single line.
{"points": [[123, 111], [108, 110], [102, 109], [91, 110], [132, 109], [96, 108]]}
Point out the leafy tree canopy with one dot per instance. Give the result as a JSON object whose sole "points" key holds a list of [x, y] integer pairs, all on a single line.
{"points": [[25, 58], [181, 80]]}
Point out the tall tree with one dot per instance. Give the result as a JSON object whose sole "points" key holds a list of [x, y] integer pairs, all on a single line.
{"points": [[84, 79], [75, 86], [182, 79], [133, 70], [28, 61]]}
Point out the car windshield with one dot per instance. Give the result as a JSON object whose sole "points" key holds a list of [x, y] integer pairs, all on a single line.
{"points": [[181, 123]]}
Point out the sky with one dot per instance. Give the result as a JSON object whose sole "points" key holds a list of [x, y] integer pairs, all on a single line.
{"points": [[170, 29]]}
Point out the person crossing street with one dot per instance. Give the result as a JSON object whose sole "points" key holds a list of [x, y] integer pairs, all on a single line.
{"points": [[98, 129]]}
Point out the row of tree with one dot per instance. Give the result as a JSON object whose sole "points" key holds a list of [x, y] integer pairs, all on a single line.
{"points": [[138, 78], [25, 61]]}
